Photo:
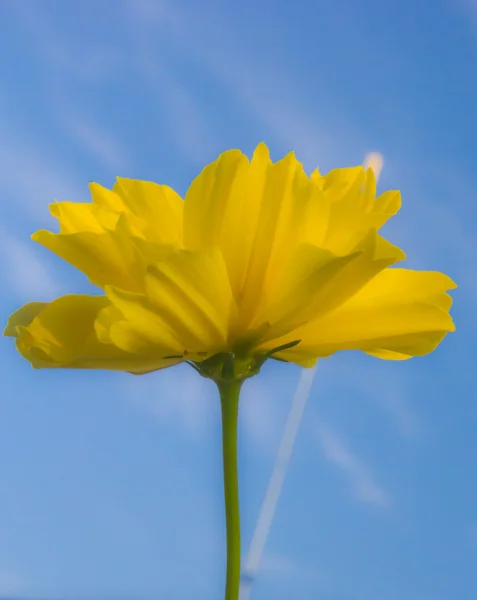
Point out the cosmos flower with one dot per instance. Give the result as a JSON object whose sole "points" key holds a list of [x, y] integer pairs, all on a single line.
{"points": [[256, 257], [258, 261]]}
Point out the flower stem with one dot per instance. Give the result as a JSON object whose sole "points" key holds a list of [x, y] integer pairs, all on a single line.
{"points": [[229, 398]]}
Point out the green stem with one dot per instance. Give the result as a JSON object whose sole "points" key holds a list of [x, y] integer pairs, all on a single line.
{"points": [[229, 398]]}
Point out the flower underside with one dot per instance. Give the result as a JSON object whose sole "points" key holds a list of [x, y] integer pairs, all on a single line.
{"points": [[258, 259]]}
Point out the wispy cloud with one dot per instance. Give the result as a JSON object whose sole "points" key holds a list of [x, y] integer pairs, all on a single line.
{"points": [[393, 398], [177, 396], [97, 141], [191, 132], [259, 416], [266, 94], [181, 398], [384, 388], [286, 567], [28, 277], [92, 61], [31, 179], [270, 96], [337, 452]]}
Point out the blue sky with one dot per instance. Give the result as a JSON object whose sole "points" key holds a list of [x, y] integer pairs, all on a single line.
{"points": [[111, 484]]}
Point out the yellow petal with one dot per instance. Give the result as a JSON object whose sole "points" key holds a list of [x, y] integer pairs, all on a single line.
{"points": [[149, 252], [317, 177], [107, 258], [17, 328], [109, 206], [76, 217], [399, 314], [159, 206], [188, 305], [133, 312], [23, 317], [348, 209], [107, 199], [253, 211], [221, 209], [192, 290], [286, 197], [93, 217], [61, 335], [310, 271], [298, 356], [257, 213], [405, 283], [316, 282], [208, 197], [386, 205]]}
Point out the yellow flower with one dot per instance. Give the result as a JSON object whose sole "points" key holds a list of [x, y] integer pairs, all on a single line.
{"points": [[258, 256], [259, 260]]}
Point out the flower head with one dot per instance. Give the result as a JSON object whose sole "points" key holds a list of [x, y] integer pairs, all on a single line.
{"points": [[259, 259]]}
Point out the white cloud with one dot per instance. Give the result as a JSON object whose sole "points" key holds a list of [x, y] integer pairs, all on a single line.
{"points": [[259, 416], [177, 396], [91, 61], [338, 453], [270, 96], [190, 132], [383, 386], [267, 94], [28, 277], [97, 141], [281, 566], [31, 179], [182, 398], [394, 400]]}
